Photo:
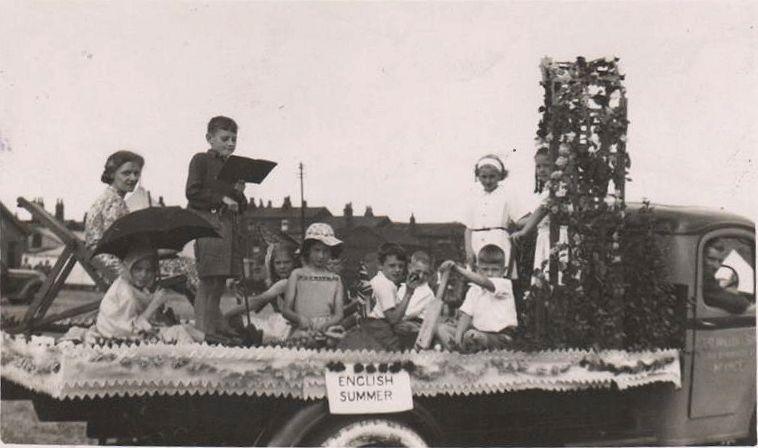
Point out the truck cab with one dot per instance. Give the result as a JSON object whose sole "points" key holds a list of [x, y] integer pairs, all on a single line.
{"points": [[717, 398]]}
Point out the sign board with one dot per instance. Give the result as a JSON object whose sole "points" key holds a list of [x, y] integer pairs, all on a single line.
{"points": [[368, 393]]}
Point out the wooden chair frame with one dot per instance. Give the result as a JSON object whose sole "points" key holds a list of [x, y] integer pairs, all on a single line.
{"points": [[74, 251]]}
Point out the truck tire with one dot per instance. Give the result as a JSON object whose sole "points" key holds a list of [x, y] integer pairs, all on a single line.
{"points": [[369, 432]]}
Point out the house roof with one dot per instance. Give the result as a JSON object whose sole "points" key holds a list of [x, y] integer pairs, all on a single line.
{"points": [[398, 235], [6, 214], [286, 213], [442, 229], [340, 222], [271, 237]]}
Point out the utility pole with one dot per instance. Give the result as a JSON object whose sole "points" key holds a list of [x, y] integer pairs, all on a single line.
{"points": [[302, 203]]}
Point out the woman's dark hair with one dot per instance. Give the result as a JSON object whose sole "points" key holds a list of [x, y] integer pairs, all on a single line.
{"points": [[387, 249], [305, 250], [115, 161], [538, 186]]}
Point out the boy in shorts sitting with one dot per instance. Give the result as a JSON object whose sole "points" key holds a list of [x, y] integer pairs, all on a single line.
{"points": [[488, 314]]}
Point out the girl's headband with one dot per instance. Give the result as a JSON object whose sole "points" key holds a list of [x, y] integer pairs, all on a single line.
{"points": [[492, 161]]}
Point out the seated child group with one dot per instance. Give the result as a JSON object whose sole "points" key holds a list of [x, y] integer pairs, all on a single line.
{"points": [[306, 302]]}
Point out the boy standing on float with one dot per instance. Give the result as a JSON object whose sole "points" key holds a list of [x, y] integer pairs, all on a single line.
{"points": [[218, 201]]}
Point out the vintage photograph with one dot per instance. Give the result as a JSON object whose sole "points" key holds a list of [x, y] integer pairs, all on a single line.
{"points": [[359, 223]]}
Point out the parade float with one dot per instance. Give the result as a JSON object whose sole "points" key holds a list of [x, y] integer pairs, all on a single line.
{"points": [[617, 349]]}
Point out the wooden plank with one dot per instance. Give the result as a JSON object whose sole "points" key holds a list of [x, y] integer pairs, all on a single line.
{"points": [[73, 245], [41, 215], [71, 312], [44, 291], [81, 309], [99, 273], [60, 280]]}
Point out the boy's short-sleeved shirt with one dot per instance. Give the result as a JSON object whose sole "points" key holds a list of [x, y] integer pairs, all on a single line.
{"points": [[385, 294], [421, 297], [491, 311]]}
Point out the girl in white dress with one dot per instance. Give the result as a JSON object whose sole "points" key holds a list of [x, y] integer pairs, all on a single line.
{"points": [[129, 304], [490, 213], [265, 308], [540, 219]]}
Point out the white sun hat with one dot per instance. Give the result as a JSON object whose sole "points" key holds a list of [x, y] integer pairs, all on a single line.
{"points": [[322, 232]]}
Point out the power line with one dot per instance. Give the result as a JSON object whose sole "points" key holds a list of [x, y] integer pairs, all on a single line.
{"points": [[302, 202]]}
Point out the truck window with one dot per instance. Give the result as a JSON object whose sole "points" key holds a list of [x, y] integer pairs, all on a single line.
{"points": [[729, 274]]}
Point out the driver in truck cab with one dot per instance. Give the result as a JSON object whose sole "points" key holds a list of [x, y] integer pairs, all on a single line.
{"points": [[714, 294]]}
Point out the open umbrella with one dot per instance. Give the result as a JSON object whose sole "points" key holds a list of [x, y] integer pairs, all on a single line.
{"points": [[161, 227]]}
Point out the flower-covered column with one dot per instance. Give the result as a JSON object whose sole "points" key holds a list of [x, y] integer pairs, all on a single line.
{"points": [[584, 129]]}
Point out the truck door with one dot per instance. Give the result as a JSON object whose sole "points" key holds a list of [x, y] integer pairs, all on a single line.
{"points": [[723, 362]]}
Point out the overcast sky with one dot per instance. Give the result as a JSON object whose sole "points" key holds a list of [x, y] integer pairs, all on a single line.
{"points": [[386, 104]]}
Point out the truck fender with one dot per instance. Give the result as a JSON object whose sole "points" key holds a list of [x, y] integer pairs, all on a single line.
{"points": [[310, 418]]}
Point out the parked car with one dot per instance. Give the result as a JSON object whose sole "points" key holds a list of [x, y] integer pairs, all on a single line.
{"points": [[20, 285]]}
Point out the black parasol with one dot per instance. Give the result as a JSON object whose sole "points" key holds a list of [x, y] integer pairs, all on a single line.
{"points": [[161, 227]]}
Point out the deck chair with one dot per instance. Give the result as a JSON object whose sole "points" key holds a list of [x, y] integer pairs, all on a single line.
{"points": [[74, 251]]}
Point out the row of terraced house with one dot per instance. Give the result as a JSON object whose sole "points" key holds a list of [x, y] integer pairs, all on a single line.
{"points": [[28, 242]]}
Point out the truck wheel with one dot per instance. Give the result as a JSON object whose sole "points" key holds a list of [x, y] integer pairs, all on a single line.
{"points": [[370, 432]]}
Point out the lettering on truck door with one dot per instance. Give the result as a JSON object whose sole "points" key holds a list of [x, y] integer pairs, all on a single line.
{"points": [[723, 369]]}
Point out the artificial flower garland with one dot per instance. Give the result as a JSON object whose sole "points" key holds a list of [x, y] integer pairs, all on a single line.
{"points": [[611, 294]]}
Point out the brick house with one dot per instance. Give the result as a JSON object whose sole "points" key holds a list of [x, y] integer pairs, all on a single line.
{"points": [[13, 238]]}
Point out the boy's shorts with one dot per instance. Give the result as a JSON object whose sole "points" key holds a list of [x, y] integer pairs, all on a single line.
{"points": [[219, 256]]}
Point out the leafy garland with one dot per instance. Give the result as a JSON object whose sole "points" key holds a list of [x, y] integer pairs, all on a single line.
{"points": [[612, 292]]}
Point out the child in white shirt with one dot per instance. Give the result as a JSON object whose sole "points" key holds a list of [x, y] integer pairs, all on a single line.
{"points": [[129, 304], [419, 269], [540, 220], [379, 331], [490, 213], [488, 315]]}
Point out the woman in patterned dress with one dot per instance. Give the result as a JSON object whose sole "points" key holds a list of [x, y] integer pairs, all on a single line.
{"points": [[121, 175]]}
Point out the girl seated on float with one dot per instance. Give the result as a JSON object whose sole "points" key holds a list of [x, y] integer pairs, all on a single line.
{"points": [[279, 262], [314, 298], [129, 305]]}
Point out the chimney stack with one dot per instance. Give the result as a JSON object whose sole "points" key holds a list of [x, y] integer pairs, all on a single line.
{"points": [[59, 210], [287, 204], [348, 212], [369, 211]]}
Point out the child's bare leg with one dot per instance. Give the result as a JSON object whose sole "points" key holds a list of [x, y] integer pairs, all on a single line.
{"points": [[446, 335], [204, 287], [214, 308], [207, 310]]}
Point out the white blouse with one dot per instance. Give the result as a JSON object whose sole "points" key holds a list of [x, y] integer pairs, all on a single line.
{"points": [[490, 209]]}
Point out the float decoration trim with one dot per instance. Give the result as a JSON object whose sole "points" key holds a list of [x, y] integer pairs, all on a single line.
{"points": [[65, 370]]}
